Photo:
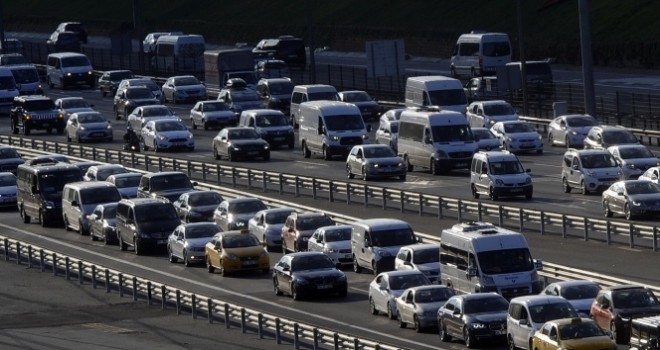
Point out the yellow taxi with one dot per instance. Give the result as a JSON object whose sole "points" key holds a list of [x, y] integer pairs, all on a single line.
{"points": [[234, 251], [573, 334]]}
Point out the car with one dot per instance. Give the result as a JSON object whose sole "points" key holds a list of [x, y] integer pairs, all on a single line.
{"points": [[155, 89], [195, 206], [484, 114], [126, 183], [299, 227], [103, 171], [49, 158], [418, 306], [269, 69], [28, 81], [369, 108], [188, 242], [481, 88], [35, 112], [633, 159], [272, 125], [76, 27], [63, 42], [141, 115], [166, 135], [88, 126], [604, 136], [632, 198], [212, 113], [149, 42], [518, 136], [333, 241], [9, 59], [375, 160], [145, 223], [267, 225], [249, 77], [239, 97], [183, 88], [234, 214], [85, 165], [651, 174], [589, 170], [165, 184], [486, 140], [285, 47], [580, 293], [388, 133], [573, 333], [276, 93], [420, 257], [70, 105], [236, 251], [387, 286], [499, 174], [8, 189], [131, 97], [10, 159], [615, 306], [570, 130], [109, 80], [473, 318], [240, 142], [102, 223], [306, 274]]}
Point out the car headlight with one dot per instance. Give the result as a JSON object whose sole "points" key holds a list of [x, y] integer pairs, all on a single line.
{"points": [[50, 205], [499, 182], [334, 138], [478, 325], [266, 147], [637, 203], [328, 250], [190, 135], [528, 180], [509, 139], [68, 74], [630, 166], [231, 256], [540, 137], [574, 133], [365, 136], [162, 137], [83, 128], [491, 122], [109, 127], [401, 165], [89, 72]]}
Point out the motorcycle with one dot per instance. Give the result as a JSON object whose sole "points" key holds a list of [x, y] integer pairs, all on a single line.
{"points": [[132, 144]]}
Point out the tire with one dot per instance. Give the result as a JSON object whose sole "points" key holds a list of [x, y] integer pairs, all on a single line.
{"points": [[475, 194], [326, 154], [144, 145], [401, 323], [26, 130], [372, 307], [539, 151], [512, 345], [583, 188], [206, 126], [551, 140], [267, 157], [492, 195], [568, 144], [348, 172], [434, 168], [565, 186], [42, 219], [276, 287], [173, 259], [627, 212], [122, 246], [265, 270], [216, 155], [295, 295], [390, 314], [410, 166], [138, 248], [442, 332], [50, 83], [305, 151], [468, 338], [616, 336], [14, 127], [209, 267], [452, 72], [356, 267], [606, 210], [66, 223], [291, 145], [230, 156], [93, 237], [221, 267], [284, 251], [402, 177], [81, 229], [528, 196], [106, 241], [418, 326], [374, 268], [365, 176], [186, 261], [194, 126], [26, 218]]}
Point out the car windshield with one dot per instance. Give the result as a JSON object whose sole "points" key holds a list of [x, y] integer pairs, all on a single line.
{"points": [[183, 81], [102, 174], [585, 291], [245, 207], [336, 235], [506, 167], [344, 122], [427, 255], [7, 180], [139, 93], [378, 152], [547, 312], [447, 97], [75, 103], [313, 222], [635, 152], [204, 198], [51, 184], [171, 181], [498, 109], [145, 82], [505, 261], [110, 212], [90, 118], [395, 237], [451, 133], [595, 161], [201, 231], [25, 75], [513, 128], [482, 134], [479, 305], [75, 61], [8, 153], [633, 298], [281, 89], [240, 241], [154, 112], [170, 126], [266, 120], [39, 105], [278, 217], [579, 330], [433, 295], [399, 282], [323, 96], [100, 195], [214, 106], [246, 95], [242, 134], [119, 76], [577, 122], [641, 187], [356, 97], [127, 181], [311, 262], [617, 137], [155, 212]]}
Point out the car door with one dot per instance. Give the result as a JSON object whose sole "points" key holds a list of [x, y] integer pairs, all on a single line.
{"points": [[575, 173], [483, 178], [406, 309], [221, 217], [223, 143], [355, 160], [617, 198], [71, 127], [177, 245], [453, 319], [149, 135], [213, 254], [96, 222], [600, 311], [196, 112], [256, 225], [288, 233], [315, 243], [381, 296], [168, 89], [284, 275]]}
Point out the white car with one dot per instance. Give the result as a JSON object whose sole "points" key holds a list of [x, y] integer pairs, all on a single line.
{"points": [[484, 114], [570, 130], [88, 126], [141, 115], [388, 132], [166, 134], [580, 293], [333, 241], [212, 114], [652, 174], [187, 242], [486, 140], [420, 257], [183, 88], [418, 306], [633, 159], [518, 136], [375, 160], [387, 286], [70, 105], [368, 107]]}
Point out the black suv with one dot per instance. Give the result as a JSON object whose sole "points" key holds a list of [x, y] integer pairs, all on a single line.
{"points": [[35, 112], [131, 97], [168, 185]]}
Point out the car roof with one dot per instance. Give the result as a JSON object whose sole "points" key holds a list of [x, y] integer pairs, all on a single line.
{"points": [[573, 283], [107, 166], [199, 224], [624, 286], [242, 199], [401, 273], [538, 299]]}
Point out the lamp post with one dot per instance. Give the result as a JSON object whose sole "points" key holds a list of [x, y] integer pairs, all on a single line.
{"points": [[523, 65], [587, 58], [310, 42]]}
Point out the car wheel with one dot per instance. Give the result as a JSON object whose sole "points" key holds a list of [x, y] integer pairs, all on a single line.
{"points": [[230, 156], [42, 219], [606, 210], [216, 155], [408, 165], [93, 236], [372, 307], [365, 176], [434, 167], [326, 153], [567, 143], [551, 140], [137, 247], [492, 195], [66, 223], [452, 72], [374, 268], [295, 295], [156, 148], [221, 267], [81, 229], [614, 334], [356, 267], [475, 194], [468, 338], [528, 195], [276, 287], [117, 117], [418, 326], [401, 323], [583, 188], [50, 83], [306, 152], [186, 261], [565, 186], [122, 246], [106, 240], [512, 345], [348, 172], [192, 121], [267, 157], [209, 267], [26, 218], [402, 177], [206, 126], [390, 312], [295, 247], [291, 145], [144, 146], [539, 151], [68, 137], [628, 212], [442, 331], [171, 256]]}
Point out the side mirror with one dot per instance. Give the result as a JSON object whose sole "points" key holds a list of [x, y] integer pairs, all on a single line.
{"points": [[367, 243], [538, 264], [605, 304], [34, 189], [574, 167], [75, 203], [471, 271], [619, 193], [368, 127], [528, 170], [524, 322], [427, 139]]}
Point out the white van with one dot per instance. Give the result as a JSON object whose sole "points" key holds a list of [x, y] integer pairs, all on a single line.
{"points": [[307, 93], [331, 128], [27, 79], [439, 141], [69, 68], [180, 53], [478, 54], [79, 200], [8, 90], [375, 243], [436, 91], [479, 257]]}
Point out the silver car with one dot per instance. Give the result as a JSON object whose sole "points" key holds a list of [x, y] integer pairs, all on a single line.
{"points": [[632, 198], [141, 115], [102, 171], [187, 242], [387, 286], [126, 183], [518, 136], [183, 88], [102, 223], [267, 226], [633, 159], [580, 293], [234, 214], [418, 306], [486, 140], [195, 206], [570, 130], [70, 105], [8, 190], [88, 126], [388, 133], [166, 134], [652, 174], [334, 241], [374, 160], [212, 114]]}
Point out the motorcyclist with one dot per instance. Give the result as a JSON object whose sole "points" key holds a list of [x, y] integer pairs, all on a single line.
{"points": [[131, 138]]}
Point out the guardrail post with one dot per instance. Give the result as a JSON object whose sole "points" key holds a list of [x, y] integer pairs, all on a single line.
{"points": [[585, 224], [440, 202], [521, 218], [608, 234], [5, 246], [331, 191], [146, 162], [401, 201], [249, 179], [163, 296], [542, 223], [366, 195], [233, 177], [94, 276], [80, 272], [348, 193], [281, 183], [260, 326], [218, 170], [278, 340], [178, 302], [314, 188], [67, 268], [121, 285], [479, 216], [377, 347], [135, 288], [42, 263], [204, 172], [297, 188], [315, 333], [149, 293], [243, 329], [356, 343], [107, 280], [193, 301], [459, 213], [264, 177], [383, 193], [421, 203], [209, 307], [296, 339], [655, 238], [227, 316], [18, 253], [631, 234], [54, 264], [335, 340], [190, 168], [563, 225], [160, 164], [29, 256]]}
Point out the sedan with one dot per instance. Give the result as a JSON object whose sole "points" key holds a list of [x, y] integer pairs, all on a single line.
{"points": [[486, 140], [167, 135], [632, 198], [633, 159], [141, 115], [88, 126], [374, 160], [183, 88], [305, 274], [212, 114], [333, 241], [580, 293], [70, 105], [235, 251], [126, 183], [233, 214], [109, 80], [236, 142], [8, 190], [187, 242], [197, 206], [419, 306], [420, 257], [570, 130], [101, 172], [651, 174], [473, 318], [387, 286], [267, 225], [571, 333], [518, 136], [102, 223]]}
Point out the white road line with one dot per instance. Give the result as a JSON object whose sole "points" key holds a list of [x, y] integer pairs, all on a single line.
{"points": [[310, 163]]}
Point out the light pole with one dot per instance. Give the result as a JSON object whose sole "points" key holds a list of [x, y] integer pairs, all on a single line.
{"points": [[523, 65], [587, 58], [310, 38]]}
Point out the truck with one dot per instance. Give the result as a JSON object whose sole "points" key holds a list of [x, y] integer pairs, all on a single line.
{"points": [[539, 79], [218, 63]]}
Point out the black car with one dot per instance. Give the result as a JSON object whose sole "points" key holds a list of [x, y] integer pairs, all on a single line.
{"points": [[75, 27], [473, 318], [276, 93], [109, 81], [128, 99], [197, 206], [286, 48], [168, 185], [305, 274], [240, 142], [35, 112]]}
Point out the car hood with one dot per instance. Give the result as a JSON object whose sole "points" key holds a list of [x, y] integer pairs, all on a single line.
{"points": [[513, 178], [385, 160], [523, 135], [583, 130], [242, 217], [76, 110], [96, 126], [158, 226], [317, 273], [248, 104], [198, 242], [275, 129], [433, 266], [613, 171], [489, 316], [645, 197], [204, 208], [7, 190], [171, 194], [643, 163], [251, 142], [128, 192], [338, 245], [582, 305], [503, 118], [432, 306], [219, 114], [144, 101], [190, 87], [599, 342]]}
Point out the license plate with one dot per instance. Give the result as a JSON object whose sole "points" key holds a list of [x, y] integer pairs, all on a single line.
{"points": [[460, 165], [528, 145], [250, 262], [45, 125], [278, 138], [347, 256], [161, 241], [253, 153], [324, 286], [516, 190], [97, 134], [500, 332]]}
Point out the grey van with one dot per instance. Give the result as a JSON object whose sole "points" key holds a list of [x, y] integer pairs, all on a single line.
{"points": [[79, 200], [375, 243], [144, 223]]}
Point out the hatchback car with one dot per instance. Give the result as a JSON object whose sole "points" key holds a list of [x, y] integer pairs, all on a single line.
{"points": [[236, 251], [155, 88], [387, 286], [333, 241], [234, 214], [195, 206], [420, 257], [239, 97], [633, 159], [486, 140], [101, 172], [188, 241], [70, 105], [369, 108], [126, 183], [418, 306], [306, 274], [299, 227], [589, 170], [103, 224], [518, 136], [651, 174], [570, 130], [8, 190], [109, 81], [473, 318], [141, 115], [240, 142], [183, 88], [528, 313], [267, 226], [602, 137], [168, 135], [571, 333], [212, 114], [580, 293], [484, 114], [88, 126], [129, 98], [375, 160], [632, 198]]}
